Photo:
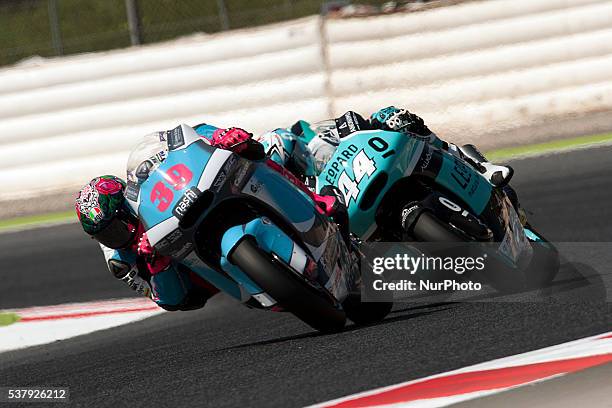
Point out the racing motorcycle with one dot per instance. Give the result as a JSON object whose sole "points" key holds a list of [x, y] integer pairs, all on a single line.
{"points": [[399, 188], [244, 228]]}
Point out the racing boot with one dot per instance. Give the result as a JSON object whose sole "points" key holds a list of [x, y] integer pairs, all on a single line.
{"points": [[498, 176], [129, 274]]}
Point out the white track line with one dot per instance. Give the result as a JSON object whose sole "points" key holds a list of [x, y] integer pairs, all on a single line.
{"points": [[486, 378], [46, 324]]}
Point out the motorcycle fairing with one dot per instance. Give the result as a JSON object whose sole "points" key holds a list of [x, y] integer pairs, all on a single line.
{"points": [[200, 177], [367, 164], [358, 161], [334, 269], [464, 181]]}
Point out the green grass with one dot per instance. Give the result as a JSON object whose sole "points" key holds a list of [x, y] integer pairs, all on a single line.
{"points": [[8, 318], [34, 220], [96, 25], [548, 147]]}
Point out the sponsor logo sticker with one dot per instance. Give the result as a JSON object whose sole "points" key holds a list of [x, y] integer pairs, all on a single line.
{"points": [[132, 190], [175, 138], [185, 202], [347, 124], [426, 160], [240, 175]]}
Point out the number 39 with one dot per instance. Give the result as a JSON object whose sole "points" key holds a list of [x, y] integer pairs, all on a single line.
{"points": [[177, 176]]}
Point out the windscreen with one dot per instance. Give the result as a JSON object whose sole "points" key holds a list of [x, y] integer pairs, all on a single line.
{"points": [[146, 156], [324, 143]]}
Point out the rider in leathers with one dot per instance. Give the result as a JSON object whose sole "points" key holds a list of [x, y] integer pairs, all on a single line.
{"points": [[323, 145], [174, 287], [104, 214]]}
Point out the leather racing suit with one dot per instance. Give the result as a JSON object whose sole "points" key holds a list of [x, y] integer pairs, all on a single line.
{"points": [[172, 285], [307, 155]]}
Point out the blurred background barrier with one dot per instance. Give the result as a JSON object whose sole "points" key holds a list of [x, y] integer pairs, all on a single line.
{"points": [[476, 71], [62, 27]]}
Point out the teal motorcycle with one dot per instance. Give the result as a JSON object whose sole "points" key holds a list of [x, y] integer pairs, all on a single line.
{"points": [[401, 188], [244, 228]]}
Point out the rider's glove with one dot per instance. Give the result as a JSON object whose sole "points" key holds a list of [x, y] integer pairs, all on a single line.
{"points": [[399, 120], [144, 247], [238, 141], [230, 138]]}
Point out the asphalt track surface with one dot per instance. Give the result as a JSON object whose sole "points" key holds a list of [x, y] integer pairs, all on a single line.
{"points": [[226, 355]]}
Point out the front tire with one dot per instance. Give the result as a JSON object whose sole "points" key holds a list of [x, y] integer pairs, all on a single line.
{"points": [[287, 289], [428, 228]]}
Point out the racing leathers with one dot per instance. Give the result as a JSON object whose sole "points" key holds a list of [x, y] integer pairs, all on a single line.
{"points": [[403, 121], [307, 155], [172, 285], [169, 284]]}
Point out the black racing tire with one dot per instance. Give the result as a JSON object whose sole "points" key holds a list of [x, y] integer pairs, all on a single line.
{"points": [[364, 313], [288, 290], [429, 228]]}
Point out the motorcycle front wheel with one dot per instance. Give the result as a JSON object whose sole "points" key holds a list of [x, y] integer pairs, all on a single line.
{"points": [[291, 292]]}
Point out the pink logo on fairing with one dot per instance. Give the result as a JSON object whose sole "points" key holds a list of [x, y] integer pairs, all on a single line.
{"points": [[106, 186]]}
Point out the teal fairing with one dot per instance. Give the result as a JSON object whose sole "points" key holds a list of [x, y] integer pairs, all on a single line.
{"points": [[367, 164], [291, 225], [359, 160], [201, 201], [389, 177]]}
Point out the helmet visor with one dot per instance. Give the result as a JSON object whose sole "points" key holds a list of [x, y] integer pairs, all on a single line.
{"points": [[116, 235]]}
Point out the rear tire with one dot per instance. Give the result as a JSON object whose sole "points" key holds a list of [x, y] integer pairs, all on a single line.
{"points": [[540, 272], [288, 290]]}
